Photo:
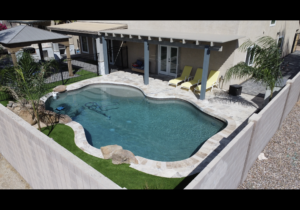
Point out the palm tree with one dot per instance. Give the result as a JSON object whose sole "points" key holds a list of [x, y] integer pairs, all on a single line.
{"points": [[26, 81], [266, 58]]}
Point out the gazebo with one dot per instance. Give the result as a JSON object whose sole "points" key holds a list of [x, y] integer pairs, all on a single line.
{"points": [[22, 36]]}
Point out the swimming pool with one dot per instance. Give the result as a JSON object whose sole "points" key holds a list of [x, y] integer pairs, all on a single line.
{"points": [[162, 130]]}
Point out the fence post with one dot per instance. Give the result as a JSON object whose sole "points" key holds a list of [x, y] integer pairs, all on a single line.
{"points": [[122, 58], [97, 64], [62, 78], [127, 56], [254, 119]]}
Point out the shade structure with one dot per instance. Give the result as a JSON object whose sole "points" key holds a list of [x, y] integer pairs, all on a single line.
{"points": [[25, 35], [85, 27], [20, 36]]}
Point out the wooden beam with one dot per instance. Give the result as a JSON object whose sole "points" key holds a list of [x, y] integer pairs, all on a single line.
{"points": [[177, 44], [69, 61]]}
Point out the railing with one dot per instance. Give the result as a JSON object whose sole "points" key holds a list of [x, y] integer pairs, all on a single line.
{"points": [[84, 66]]}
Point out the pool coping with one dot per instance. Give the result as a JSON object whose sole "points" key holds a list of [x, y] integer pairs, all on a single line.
{"points": [[172, 169]]}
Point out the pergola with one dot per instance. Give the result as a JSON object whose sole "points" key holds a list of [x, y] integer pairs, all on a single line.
{"points": [[21, 36], [207, 42]]}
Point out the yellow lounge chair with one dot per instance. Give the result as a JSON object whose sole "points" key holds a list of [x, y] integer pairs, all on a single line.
{"points": [[184, 76], [211, 81], [196, 81]]}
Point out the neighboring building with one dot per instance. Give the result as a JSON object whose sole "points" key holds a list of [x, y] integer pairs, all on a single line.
{"points": [[185, 49]]}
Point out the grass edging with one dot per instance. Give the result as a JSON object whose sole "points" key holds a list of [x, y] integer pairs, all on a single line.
{"points": [[122, 175]]}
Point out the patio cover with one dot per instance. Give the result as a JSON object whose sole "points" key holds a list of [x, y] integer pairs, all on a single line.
{"points": [[85, 27], [198, 37], [172, 38]]}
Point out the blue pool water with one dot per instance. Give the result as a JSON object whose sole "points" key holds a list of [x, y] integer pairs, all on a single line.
{"points": [[163, 130]]}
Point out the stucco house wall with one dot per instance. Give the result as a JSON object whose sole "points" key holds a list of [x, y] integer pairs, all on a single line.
{"points": [[220, 61]]}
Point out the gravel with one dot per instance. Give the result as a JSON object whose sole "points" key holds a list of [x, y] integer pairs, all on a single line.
{"points": [[9, 177], [282, 168]]}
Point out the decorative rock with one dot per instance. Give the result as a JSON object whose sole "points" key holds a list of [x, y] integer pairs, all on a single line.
{"points": [[27, 116], [60, 88], [29, 106], [262, 156], [10, 103], [16, 109], [15, 105], [64, 119], [123, 156], [107, 151]]}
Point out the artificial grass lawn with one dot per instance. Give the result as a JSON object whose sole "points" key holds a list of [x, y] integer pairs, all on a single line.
{"points": [[84, 74], [122, 175], [4, 103]]}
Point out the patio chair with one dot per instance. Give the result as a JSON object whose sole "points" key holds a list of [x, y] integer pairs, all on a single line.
{"points": [[184, 76], [196, 81], [211, 81]]}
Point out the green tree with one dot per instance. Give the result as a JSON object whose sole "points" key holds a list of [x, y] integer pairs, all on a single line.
{"points": [[266, 58], [26, 82]]}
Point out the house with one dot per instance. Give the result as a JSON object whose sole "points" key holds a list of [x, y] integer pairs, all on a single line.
{"points": [[49, 49], [171, 45]]}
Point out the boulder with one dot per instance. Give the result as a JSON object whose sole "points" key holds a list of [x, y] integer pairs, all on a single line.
{"points": [[27, 116], [10, 103], [28, 106], [123, 156], [64, 119], [16, 109], [60, 88], [107, 151], [15, 105]]}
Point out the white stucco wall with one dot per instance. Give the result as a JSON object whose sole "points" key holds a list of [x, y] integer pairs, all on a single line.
{"points": [[219, 60]]}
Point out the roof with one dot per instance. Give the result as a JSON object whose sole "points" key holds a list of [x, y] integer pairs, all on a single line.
{"points": [[220, 38], [28, 34], [28, 21], [86, 27]]}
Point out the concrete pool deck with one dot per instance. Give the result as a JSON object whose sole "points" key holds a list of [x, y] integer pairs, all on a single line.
{"points": [[233, 109]]}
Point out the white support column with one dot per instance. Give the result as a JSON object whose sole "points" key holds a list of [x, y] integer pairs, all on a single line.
{"points": [[99, 49], [105, 55], [205, 72], [146, 62]]}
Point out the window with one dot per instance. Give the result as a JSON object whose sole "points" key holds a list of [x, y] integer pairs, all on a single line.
{"points": [[84, 44], [273, 22], [280, 42], [249, 57]]}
